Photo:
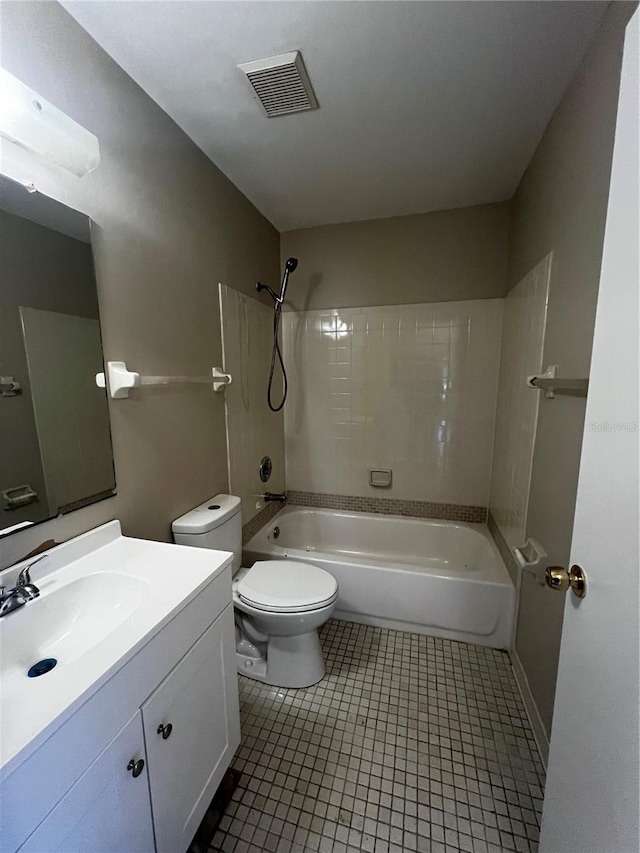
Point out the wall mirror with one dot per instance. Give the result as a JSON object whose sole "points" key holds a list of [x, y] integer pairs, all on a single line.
{"points": [[55, 442]]}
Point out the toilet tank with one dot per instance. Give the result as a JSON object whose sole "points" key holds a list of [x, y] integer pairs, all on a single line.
{"points": [[216, 524]]}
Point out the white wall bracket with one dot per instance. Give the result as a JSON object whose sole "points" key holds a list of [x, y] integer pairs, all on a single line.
{"points": [[119, 380], [551, 384], [220, 379], [531, 557], [9, 387], [550, 373]]}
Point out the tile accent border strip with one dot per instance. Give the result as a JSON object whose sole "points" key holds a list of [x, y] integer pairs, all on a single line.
{"points": [[259, 520], [391, 506], [501, 544]]}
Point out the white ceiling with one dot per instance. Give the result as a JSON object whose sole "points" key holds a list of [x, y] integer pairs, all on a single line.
{"points": [[423, 105]]}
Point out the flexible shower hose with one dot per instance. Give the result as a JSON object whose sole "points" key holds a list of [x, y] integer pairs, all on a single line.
{"points": [[275, 352]]}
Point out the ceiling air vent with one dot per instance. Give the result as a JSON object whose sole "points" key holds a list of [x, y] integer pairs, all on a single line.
{"points": [[281, 84]]}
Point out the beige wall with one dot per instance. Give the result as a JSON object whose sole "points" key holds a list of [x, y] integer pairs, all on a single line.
{"points": [[168, 227], [64, 354], [57, 276], [20, 461], [560, 206], [431, 257]]}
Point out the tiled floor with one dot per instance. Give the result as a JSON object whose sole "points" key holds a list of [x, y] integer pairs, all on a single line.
{"points": [[410, 743]]}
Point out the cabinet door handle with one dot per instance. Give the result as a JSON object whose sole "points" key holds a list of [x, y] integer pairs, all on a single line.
{"points": [[136, 767], [165, 730]]}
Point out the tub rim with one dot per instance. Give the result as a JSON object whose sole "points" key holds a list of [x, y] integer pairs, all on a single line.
{"points": [[260, 544]]}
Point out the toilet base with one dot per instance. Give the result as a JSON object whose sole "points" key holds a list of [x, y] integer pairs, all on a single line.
{"points": [[290, 662]]}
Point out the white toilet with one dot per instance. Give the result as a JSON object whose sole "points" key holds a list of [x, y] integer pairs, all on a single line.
{"points": [[279, 604]]}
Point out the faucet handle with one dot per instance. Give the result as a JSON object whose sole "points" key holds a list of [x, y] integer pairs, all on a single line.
{"points": [[24, 577]]}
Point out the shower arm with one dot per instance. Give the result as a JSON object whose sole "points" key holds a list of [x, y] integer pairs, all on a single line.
{"points": [[278, 300], [272, 294]]}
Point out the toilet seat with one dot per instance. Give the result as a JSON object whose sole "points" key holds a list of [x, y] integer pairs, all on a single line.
{"points": [[286, 586]]}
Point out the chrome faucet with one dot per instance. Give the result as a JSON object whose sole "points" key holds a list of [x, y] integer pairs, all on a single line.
{"points": [[24, 590], [274, 496]]}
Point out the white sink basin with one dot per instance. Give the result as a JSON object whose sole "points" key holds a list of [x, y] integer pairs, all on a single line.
{"points": [[102, 597], [68, 621]]}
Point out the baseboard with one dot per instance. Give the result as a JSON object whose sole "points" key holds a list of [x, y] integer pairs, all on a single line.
{"points": [[531, 708]]}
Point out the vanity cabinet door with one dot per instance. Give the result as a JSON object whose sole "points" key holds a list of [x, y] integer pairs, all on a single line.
{"points": [[107, 810], [192, 728]]}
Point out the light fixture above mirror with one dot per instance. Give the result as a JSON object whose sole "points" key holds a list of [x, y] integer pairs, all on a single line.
{"points": [[38, 126]]}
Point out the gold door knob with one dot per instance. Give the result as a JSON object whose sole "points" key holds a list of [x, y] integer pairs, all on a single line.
{"points": [[557, 577], [578, 581]]}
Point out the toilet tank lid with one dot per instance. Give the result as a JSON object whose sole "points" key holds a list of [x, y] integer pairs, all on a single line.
{"points": [[208, 515]]}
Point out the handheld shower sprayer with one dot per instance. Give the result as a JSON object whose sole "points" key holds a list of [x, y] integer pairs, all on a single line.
{"points": [[289, 267]]}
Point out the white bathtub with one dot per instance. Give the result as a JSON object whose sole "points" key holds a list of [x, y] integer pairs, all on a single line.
{"points": [[440, 578]]}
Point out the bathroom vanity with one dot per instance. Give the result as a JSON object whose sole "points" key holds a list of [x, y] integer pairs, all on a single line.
{"points": [[120, 746]]}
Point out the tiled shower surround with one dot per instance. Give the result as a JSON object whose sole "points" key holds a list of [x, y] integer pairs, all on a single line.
{"points": [[508, 557], [408, 387], [253, 431], [525, 316], [258, 521], [409, 743]]}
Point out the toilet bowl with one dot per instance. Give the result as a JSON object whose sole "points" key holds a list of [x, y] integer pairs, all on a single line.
{"points": [[279, 604]]}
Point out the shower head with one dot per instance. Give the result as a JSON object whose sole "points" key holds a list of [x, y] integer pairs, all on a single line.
{"points": [[289, 266]]}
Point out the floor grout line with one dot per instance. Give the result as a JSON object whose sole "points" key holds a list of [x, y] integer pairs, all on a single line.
{"points": [[409, 743]]}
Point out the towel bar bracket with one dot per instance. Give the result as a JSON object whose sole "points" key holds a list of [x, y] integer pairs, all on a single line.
{"points": [[552, 384], [119, 380]]}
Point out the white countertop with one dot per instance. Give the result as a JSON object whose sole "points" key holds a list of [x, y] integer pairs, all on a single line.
{"points": [[103, 596]]}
